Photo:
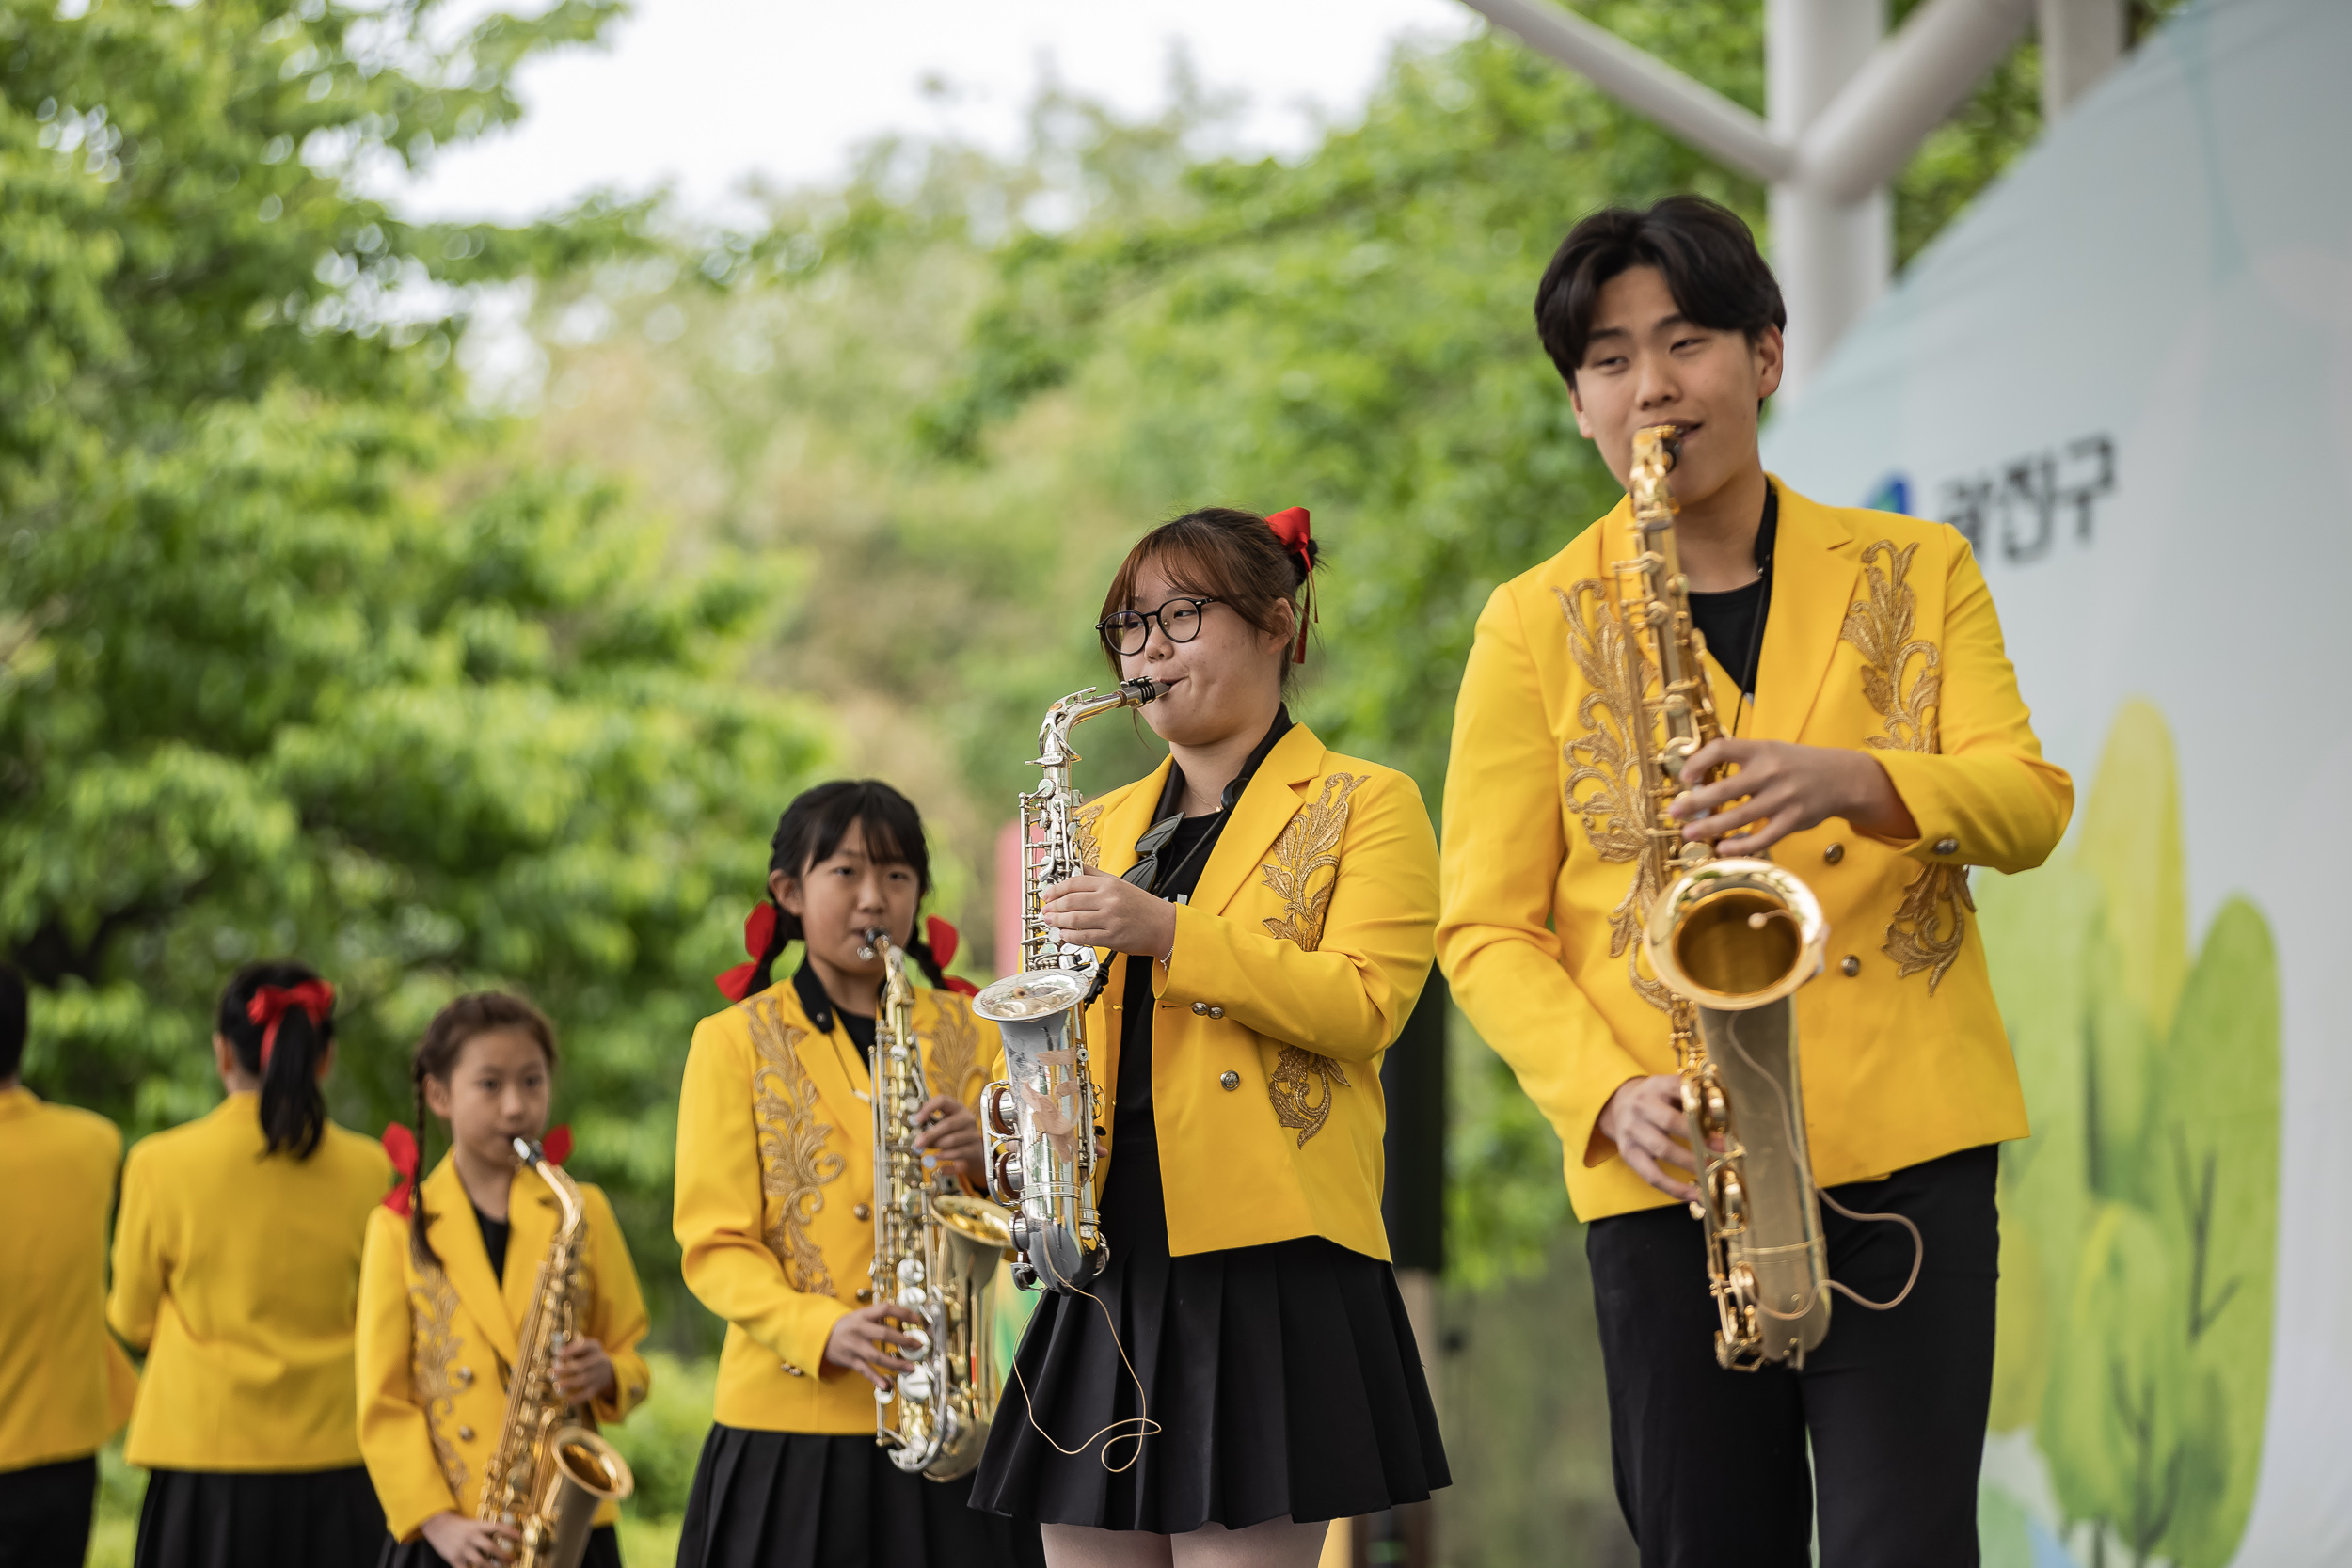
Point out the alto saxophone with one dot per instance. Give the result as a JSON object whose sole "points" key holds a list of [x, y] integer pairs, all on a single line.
{"points": [[1041, 1117], [1731, 940], [549, 1470], [935, 1254]]}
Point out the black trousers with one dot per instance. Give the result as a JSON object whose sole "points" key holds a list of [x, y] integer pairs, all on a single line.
{"points": [[45, 1514], [1712, 1465]]}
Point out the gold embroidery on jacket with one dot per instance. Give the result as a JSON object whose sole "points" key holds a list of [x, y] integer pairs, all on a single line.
{"points": [[433, 1346], [1929, 925], [952, 1054], [1604, 784], [794, 1162], [1089, 848], [1304, 1084]]}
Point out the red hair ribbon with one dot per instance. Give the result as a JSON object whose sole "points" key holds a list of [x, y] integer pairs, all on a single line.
{"points": [[269, 1004], [400, 1144], [1290, 526], [759, 928], [942, 940], [557, 1145]]}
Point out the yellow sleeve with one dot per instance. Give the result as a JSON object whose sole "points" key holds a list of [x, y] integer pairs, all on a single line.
{"points": [[1987, 791], [395, 1439], [1346, 995], [137, 1289], [616, 1318], [1504, 848], [716, 1217]]}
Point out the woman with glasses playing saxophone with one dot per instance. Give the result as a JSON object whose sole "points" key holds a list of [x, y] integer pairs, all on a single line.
{"points": [[776, 1194], [1238, 1370]]}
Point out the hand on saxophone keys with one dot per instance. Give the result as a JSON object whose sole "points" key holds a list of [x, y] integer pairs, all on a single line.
{"points": [[583, 1371], [465, 1543], [951, 1134], [863, 1342], [1645, 1119], [1783, 788], [1102, 910]]}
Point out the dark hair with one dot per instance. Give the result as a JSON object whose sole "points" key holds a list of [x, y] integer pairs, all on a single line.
{"points": [[294, 1112], [12, 1015], [1705, 253], [1220, 553], [813, 827], [478, 1012]]}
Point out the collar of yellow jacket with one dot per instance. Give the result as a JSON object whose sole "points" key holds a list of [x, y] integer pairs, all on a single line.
{"points": [[1816, 563], [497, 1308], [17, 1101], [1271, 799]]}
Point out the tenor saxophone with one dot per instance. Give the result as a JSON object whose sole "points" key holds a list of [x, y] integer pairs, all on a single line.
{"points": [[549, 1470], [935, 1254], [1041, 1116], [1731, 940]]}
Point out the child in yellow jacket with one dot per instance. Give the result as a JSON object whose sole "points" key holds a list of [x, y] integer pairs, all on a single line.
{"points": [[236, 1272], [64, 1386], [446, 1283]]}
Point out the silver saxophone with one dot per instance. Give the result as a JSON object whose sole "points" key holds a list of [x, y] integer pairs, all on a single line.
{"points": [[1041, 1116]]}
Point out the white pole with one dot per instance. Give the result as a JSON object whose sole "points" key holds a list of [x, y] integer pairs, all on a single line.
{"points": [[1833, 256], [2081, 40]]}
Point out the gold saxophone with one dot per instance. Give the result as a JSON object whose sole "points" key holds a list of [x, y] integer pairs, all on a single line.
{"points": [[935, 1253], [1041, 1116], [1731, 940], [549, 1470]]}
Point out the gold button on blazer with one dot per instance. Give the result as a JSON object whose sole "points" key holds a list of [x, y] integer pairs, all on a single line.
{"points": [[436, 1343], [1881, 636], [1298, 961]]}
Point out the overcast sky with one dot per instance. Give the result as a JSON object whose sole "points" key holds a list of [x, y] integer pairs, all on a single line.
{"points": [[703, 92]]}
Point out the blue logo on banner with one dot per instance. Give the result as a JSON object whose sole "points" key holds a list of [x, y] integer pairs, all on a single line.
{"points": [[1892, 495]]}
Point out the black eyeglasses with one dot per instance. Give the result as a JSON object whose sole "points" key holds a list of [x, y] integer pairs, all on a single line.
{"points": [[1125, 631]]}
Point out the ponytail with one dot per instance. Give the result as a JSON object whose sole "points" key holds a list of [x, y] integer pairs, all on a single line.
{"points": [[279, 1019]]}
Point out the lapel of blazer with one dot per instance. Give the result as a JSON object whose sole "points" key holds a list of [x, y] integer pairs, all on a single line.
{"points": [[1813, 582], [530, 1216], [839, 1074], [1260, 815], [457, 1240]]}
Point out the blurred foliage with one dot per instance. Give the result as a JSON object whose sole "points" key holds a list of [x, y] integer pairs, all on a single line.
{"points": [[298, 651]]}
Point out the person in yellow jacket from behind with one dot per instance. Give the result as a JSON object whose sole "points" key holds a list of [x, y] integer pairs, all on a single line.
{"points": [[236, 1272], [64, 1388], [1267, 907], [775, 1193], [1878, 748], [447, 1282]]}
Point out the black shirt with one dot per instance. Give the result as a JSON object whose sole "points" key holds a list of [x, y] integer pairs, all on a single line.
{"points": [[1181, 858], [1733, 622], [494, 1234], [820, 1011]]}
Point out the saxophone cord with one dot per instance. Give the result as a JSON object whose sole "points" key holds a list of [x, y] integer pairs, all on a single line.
{"points": [[1804, 1166], [1143, 1423]]}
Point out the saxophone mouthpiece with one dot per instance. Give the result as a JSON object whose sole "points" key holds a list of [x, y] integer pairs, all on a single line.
{"points": [[1145, 689], [527, 1151], [875, 936]]}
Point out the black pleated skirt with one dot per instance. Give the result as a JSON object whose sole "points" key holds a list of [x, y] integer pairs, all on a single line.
{"points": [[788, 1499], [604, 1551], [1284, 1379], [259, 1519], [45, 1514]]}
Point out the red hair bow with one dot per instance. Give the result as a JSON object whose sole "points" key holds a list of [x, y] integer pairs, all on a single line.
{"points": [[400, 1144], [269, 1004], [557, 1145], [1290, 526], [759, 928], [942, 940]]}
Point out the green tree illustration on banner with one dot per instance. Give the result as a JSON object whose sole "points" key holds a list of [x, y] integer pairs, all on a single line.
{"points": [[2141, 1221]]}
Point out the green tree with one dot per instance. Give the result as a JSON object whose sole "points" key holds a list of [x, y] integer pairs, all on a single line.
{"points": [[297, 652]]}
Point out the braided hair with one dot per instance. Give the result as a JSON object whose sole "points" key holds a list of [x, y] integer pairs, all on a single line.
{"points": [[293, 1111], [813, 827], [479, 1012]]}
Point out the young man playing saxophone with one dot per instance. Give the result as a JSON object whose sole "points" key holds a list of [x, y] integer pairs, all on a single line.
{"points": [[1881, 748]]}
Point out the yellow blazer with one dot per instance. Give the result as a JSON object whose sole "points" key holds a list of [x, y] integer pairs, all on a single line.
{"points": [[64, 1388], [775, 1190], [1882, 635], [239, 1277], [1298, 961], [436, 1344]]}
